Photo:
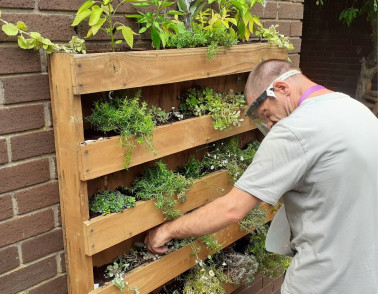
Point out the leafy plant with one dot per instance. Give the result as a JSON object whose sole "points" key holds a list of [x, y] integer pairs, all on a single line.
{"points": [[107, 202], [34, 40], [190, 10], [101, 12], [271, 265], [223, 107], [274, 37], [254, 219], [159, 115], [161, 27], [127, 116], [165, 187]]}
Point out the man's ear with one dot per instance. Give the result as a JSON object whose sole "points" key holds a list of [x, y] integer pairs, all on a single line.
{"points": [[281, 87]]}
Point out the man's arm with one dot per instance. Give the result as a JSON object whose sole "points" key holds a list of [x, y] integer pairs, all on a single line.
{"points": [[207, 219]]}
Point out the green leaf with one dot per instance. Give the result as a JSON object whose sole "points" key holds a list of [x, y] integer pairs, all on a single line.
{"points": [[87, 4], [182, 5], [35, 35], [22, 26], [174, 12], [167, 4], [10, 29], [142, 30], [98, 26], [118, 41], [22, 42], [90, 33], [81, 16], [105, 2], [155, 38], [141, 4], [133, 15], [95, 15], [128, 34]]}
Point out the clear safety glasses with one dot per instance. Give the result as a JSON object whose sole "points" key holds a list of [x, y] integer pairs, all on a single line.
{"points": [[258, 117]]}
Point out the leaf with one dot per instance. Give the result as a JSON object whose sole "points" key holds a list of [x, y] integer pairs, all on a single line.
{"points": [[167, 4], [164, 37], [10, 29], [118, 41], [182, 5], [90, 33], [142, 30], [155, 38], [81, 16], [256, 20], [22, 42], [133, 15], [98, 25], [105, 2], [22, 26], [141, 4], [87, 4], [174, 12], [95, 15], [35, 35], [128, 35]]}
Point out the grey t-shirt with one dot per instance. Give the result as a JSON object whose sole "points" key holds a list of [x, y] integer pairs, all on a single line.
{"points": [[324, 158]]}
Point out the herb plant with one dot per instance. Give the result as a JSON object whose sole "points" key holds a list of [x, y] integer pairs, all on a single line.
{"points": [[254, 219], [101, 12], [107, 202], [127, 116], [34, 40]]}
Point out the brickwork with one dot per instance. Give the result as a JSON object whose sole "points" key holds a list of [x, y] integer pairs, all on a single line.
{"points": [[331, 51], [262, 285], [31, 239]]}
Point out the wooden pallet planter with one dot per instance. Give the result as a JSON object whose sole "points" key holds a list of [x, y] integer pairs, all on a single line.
{"points": [[107, 156], [71, 76], [151, 276]]}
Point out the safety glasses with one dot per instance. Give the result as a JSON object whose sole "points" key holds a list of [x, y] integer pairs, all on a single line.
{"points": [[258, 117]]}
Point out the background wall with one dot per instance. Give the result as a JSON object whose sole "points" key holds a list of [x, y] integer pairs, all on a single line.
{"points": [[31, 244], [331, 50]]}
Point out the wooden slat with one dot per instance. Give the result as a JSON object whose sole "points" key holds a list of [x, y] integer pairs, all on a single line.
{"points": [[67, 116], [105, 231], [104, 157], [112, 71], [151, 276]]}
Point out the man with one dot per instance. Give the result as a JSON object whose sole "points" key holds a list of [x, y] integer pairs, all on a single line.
{"points": [[321, 153]]}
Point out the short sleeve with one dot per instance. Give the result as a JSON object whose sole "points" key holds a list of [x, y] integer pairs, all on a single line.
{"points": [[278, 166]]}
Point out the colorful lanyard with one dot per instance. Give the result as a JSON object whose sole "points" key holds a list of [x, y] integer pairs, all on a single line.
{"points": [[309, 91]]}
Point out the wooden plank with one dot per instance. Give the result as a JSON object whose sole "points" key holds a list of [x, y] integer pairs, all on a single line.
{"points": [[105, 231], [107, 156], [68, 131], [151, 276], [121, 70]]}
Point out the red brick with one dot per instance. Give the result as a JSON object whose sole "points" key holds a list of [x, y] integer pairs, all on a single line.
{"points": [[267, 281], [17, 60], [73, 5], [24, 175], [54, 27], [284, 26], [32, 144], [17, 3], [3, 151], [21, 118], [290, 11], [28, 276], [8, 259], [270, 10], [6, 207], [296, 29], [55, 286], [24, 227], [297, 44], [42, 245], [37, 197], [295, 59], [277, 283], [62, 263], [251, 289], [26, 88]]}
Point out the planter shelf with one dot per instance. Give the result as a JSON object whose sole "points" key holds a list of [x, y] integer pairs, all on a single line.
{"points": [[79, 163], [151, 276]]}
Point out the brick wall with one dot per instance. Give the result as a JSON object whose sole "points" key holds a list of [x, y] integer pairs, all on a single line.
{"points": [[31, 243], [331, 50]]}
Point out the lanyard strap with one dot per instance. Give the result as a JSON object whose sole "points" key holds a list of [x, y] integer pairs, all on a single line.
{"points": [[309, 91]]}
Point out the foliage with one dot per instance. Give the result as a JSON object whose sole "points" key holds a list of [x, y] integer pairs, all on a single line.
{"points": [[160, 26], [274, 37], [254, 219], [34, 40], [271, 265], [165, 187], [101, 12], [107, 202], [193, 169], [228, 154], [211, 243], [159, 116], [224, 108], [127, 116], [190, 10]]}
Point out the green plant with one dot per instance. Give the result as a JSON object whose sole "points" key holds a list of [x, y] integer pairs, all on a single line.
{"points": [[254, 219], [224, 108], [100, 12], [193, 169], [211, 243], [190, 10], [271, 265], [165, 187], [161, 27], [34, 40], [159, 116], [107, 202], [127, 116], [274, 37]]}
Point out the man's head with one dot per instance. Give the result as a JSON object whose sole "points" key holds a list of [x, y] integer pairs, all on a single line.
{"points": [[269, 90]]}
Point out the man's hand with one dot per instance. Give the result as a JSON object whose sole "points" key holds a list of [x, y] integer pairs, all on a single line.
{"points": [[156, 238]]}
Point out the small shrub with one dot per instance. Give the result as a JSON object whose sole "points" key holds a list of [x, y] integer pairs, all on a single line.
{"points": [[107, 202]]}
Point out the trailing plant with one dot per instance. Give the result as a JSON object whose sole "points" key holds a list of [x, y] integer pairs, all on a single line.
{"points": [[107, 202], [127, 116], [34, 40], [165, 187], [224, 108], [274, 37], [271, 265], [254, 219], [101, 12], [211, 243], [161, 27]]}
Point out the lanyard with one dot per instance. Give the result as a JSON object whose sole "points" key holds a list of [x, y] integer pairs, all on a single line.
{"points": [[309, 91]]}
